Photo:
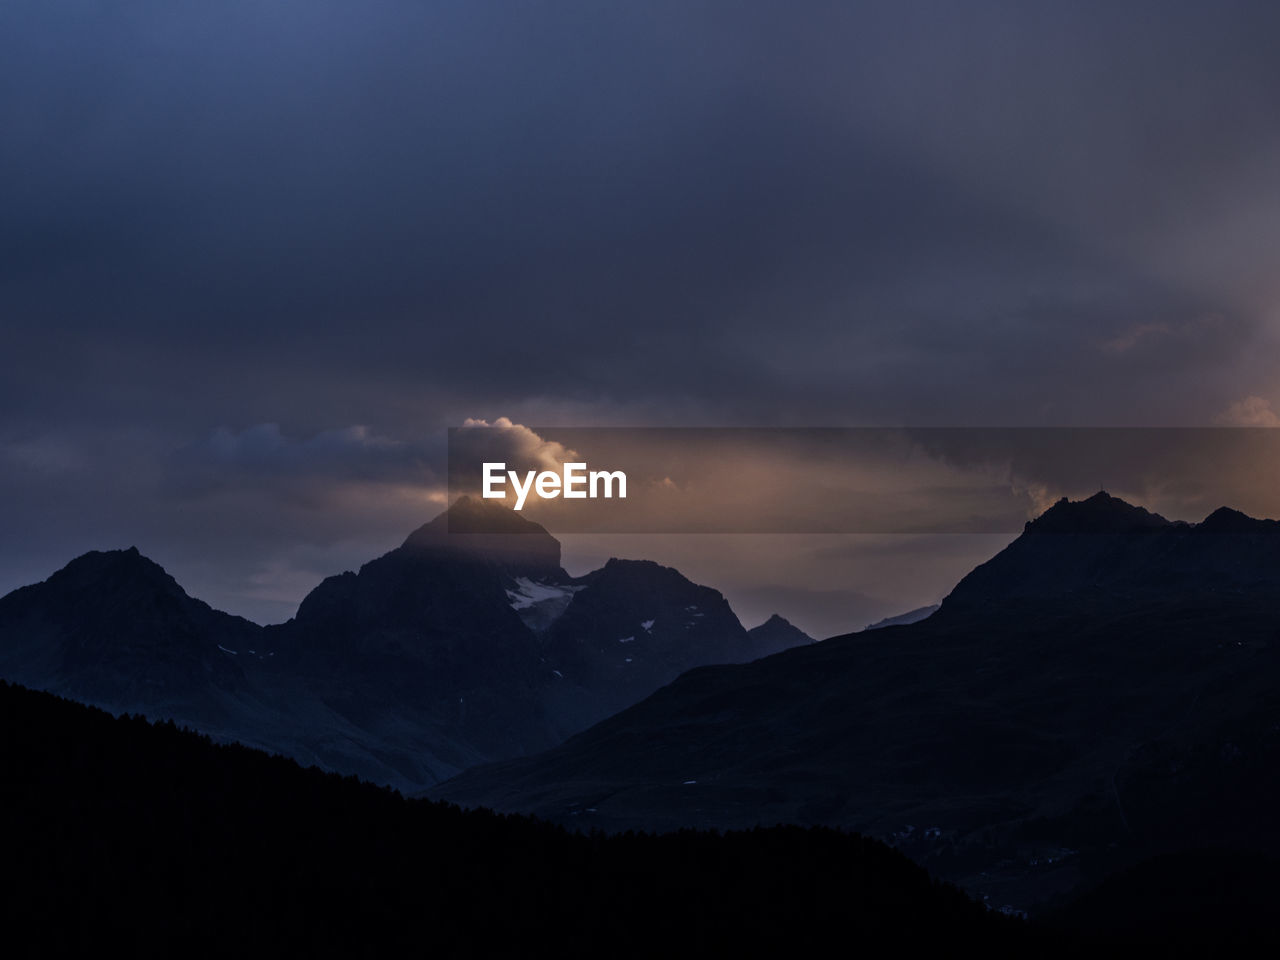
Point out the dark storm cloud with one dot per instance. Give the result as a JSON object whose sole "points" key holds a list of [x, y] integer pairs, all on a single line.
{"points": [[1184, 473], [262, 455], [396, 214], [400, 197]]}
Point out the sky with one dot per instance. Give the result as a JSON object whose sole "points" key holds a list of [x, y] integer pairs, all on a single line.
{"points": [[257, 257]]}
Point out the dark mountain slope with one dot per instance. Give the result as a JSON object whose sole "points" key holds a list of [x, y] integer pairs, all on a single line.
{"points": [[635, 626], [467, 643], [153, 841], [113, 629], [902, 619], [115, 626], [1204, 901], [1010, 740], [426, 636]]}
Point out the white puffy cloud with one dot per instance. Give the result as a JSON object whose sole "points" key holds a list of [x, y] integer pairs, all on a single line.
{"points": [[502, 441]]}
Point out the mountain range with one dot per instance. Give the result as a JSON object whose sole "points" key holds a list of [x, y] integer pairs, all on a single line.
{"points": [[1105, 688], [467, 643], [1101, 691]]}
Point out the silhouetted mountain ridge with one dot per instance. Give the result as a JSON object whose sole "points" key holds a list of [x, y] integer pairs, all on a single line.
{"points": [[115, 626], [1107, 549], [1100, 513], [1102, 689], [777, 634], [911, 616], [467, 642]]}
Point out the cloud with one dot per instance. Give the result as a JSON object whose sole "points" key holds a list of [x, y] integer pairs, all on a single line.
{"points": [[1252, 411], [478, 441], [328, 460], [41, 455], [1183, 473], [824, 218], [1131, 338], [1145, 334], [517, 445]]}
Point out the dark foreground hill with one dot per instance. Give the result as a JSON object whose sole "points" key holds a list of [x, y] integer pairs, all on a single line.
{"points": [[148, 840], [1105, 689], [1210, 901]]}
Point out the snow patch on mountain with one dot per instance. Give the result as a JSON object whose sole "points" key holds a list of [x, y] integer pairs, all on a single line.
{"points": [[539, 603]]}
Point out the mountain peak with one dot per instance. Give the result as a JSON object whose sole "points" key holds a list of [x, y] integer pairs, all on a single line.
{"points": [[468, 515], [115, 566], [113, 625], [1226, 520], [480, 530], [643, 574], [1100, 513], [1140, 553], [777, 633]]}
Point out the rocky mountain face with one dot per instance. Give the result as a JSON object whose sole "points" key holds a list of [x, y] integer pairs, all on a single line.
{"points": [[469, 642], [115, 626], [635, 626], [427, 635], [1106, 687]]}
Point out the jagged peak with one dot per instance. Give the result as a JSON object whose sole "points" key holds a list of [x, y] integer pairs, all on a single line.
{"points": [[620, 563], [650, 569], [1100, 513], [96, 564], [644, 574]]}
